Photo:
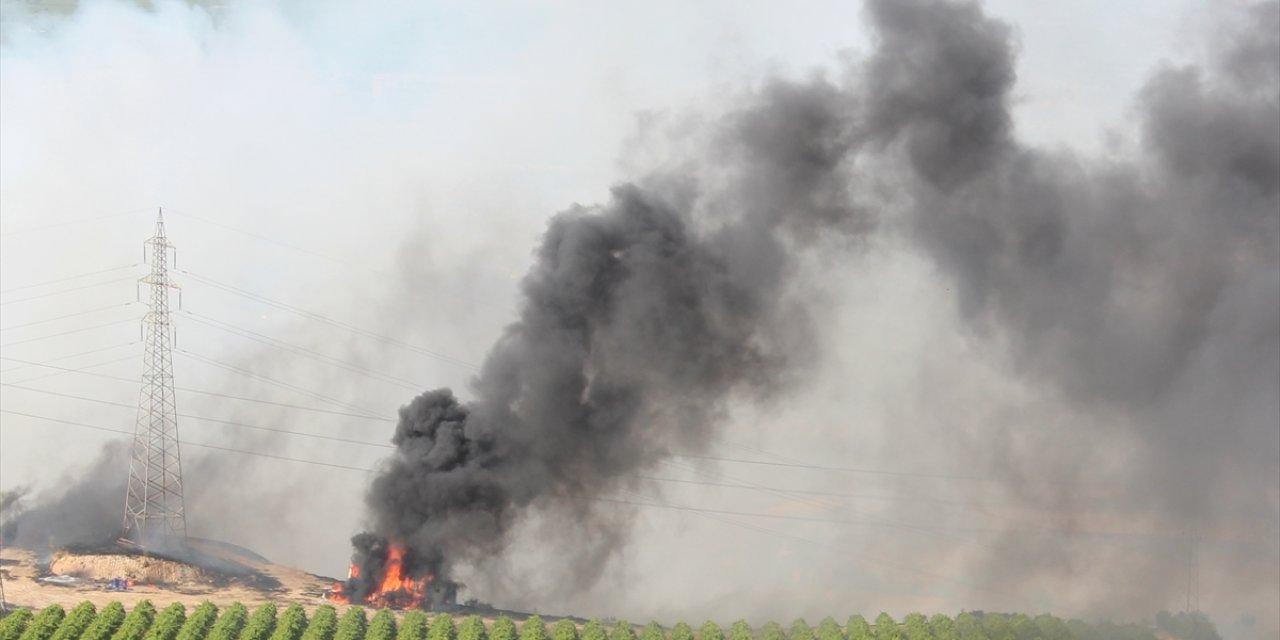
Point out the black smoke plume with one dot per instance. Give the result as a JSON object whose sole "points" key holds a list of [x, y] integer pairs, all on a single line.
{"points": [[638, 320], [1143, 290], [86, 509]]}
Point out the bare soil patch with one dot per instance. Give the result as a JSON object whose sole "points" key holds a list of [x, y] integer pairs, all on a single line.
{"points": [[166, 581]]}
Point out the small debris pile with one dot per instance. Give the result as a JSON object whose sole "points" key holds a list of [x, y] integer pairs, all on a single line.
{"points": [[139, 568]]}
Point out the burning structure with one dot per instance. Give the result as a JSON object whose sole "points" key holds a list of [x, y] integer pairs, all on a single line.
{"points": [[383, 575]]}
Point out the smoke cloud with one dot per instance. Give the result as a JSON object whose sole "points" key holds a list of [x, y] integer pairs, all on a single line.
{"points": [[1144, 291], [77, 514], [1146, 288], [636, 327]]}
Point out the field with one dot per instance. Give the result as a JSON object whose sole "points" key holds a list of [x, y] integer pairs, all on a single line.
{"points": [[293, 608], [207, 621]]}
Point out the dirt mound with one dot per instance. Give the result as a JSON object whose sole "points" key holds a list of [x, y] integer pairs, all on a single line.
{"points": [[138, 567]]}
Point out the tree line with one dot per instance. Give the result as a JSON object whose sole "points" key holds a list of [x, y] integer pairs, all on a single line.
{"points": [[268, 622]]}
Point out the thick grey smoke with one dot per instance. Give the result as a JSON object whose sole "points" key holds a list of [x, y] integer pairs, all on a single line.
{"points": [[637, 324], [84, 511], [1143, 290]]}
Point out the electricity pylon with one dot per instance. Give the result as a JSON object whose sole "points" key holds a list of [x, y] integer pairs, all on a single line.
{"points": [[154, 509]]}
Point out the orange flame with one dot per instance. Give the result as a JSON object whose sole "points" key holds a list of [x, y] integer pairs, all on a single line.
{"points": [[396, 590]]}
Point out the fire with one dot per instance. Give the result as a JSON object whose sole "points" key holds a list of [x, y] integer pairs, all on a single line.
{"points": [[396, 590]]}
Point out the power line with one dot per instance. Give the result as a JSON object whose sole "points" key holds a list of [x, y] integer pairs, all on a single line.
{"points": [[725, 512], [782, 492], [207, 393], [809, 544], [800, 494], [74, 355], [832, 494], [280, 344], [661, 505], [382, 445], [277, 457], [384, 418], [330, 321], [69, 315], [286, 245], [779, 516], [367, 413], [77, 277], [752, 486], [83, 369], [62, 291], [66, 223], [204, 418], [794, 497], [756, 487], [785, 495], [818, 467], [65, 333], [191, 444]]}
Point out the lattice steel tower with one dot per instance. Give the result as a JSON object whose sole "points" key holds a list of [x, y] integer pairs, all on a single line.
{"points": [[154, 510]]}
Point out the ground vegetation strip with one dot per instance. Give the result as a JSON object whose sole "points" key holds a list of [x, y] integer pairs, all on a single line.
{"points": [[207, 622]]}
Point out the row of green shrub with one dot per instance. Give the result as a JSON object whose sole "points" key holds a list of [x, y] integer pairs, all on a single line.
{"points": [[267, 623]]}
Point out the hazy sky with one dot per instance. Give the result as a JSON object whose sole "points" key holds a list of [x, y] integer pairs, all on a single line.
{"points": [[390, 167]]}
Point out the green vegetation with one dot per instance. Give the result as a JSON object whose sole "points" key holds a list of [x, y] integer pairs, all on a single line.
{"points": [[593, 630], [564, 630], [533, 629], [472, 628], [293, 622], [262, 623], [324, 624], [136, 623], [622, 630], [886, 628], [1052, 628], [504, 629], [168, 623], [1188, 626], [45, 623], [997, 628], [198, 623], [235, 623], [414, 626], [828, 629], [12, 626], [653, 632], [942, 627], [352, 625], [229, 623], [442, 628], [858, 629], [800, 630], [74, 625], [917, 627], [106, 623], [382, 626]]}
